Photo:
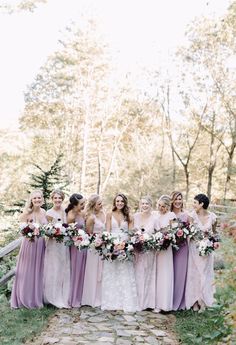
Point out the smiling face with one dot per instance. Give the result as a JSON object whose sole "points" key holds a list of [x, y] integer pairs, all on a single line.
{"points": [[162, 207], [145, 206], [178, 202], [98, 205], [57, 200], [37, 199], [197, 207], [119, 202], [80, 206]]}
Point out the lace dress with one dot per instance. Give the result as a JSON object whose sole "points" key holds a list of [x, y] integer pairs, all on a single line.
{"points": [[118, 282], [200, 274], [57, 268]]}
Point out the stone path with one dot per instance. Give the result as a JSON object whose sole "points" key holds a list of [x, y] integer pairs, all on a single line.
{"points": [[93, 326]]}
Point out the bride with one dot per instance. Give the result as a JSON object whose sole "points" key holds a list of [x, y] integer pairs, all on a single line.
{"points": [[118, 282]]}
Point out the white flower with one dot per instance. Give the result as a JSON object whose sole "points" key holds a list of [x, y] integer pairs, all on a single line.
{"points": [[130, 247], [146, 236]]}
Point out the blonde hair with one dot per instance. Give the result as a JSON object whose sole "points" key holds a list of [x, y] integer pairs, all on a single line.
{"points": [[29, 204], [147, 198], [59, 192], [92, 200], [166, 199]]}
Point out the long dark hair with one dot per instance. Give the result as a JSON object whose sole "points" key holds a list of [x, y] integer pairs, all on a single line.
{"points": [[73, 201], [125, 210]]}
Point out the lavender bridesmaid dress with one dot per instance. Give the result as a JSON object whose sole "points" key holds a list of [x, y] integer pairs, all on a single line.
{"points": [[92, 291], [27, 288], [78, 263], [180, 259]]}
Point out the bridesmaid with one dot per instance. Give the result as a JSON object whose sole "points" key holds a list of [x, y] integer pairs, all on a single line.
{"points": [[145, 263], [165, 270], [75, 214], [180, 256], [95, 223], [27, 288], [200, 275], [57, 259]]}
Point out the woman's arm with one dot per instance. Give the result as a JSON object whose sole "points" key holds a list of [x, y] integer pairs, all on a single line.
{"points": [[108, 222], [70, 217], [131, 223], [89, 224], [24, 218]]}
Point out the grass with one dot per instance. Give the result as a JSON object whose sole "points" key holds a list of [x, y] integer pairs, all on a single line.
{"points": [[215, 324], [19, 325]]}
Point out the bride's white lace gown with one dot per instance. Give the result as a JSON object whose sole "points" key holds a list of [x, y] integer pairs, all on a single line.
{"points": [[118, 282]]}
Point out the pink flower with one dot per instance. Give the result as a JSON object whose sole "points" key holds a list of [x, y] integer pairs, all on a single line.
{"points": [[179, 233], [216, 245], [36, 232]]}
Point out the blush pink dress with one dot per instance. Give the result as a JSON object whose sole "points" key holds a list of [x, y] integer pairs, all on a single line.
{"points": [[165, 269], [145, 266], [57, 268], [200, 274], [93, 272], [27, 288]]}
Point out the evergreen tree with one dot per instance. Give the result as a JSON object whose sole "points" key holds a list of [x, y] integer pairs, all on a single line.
{"points": [[47, 180]]}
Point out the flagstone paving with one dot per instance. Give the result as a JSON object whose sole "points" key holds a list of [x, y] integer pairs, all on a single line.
{"points": [[93, 326]]}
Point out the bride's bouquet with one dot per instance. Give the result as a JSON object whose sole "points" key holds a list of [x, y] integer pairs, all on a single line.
{"points": [[57, 231], [31, 230], [112, 247]]}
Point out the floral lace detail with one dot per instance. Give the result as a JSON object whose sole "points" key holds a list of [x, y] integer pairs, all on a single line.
{"points": [[118, 283]]}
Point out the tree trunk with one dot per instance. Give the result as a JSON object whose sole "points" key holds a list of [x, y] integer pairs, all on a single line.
{"points": [[229, 169], [85, 149]]}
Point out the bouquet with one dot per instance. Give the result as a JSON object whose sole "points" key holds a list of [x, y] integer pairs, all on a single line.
{"points": [[180, 230], [112, 247], [81, 240], [56, 230], [141, 240], [208, 244], [195, 233], [30, 230], [164, 238]]}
